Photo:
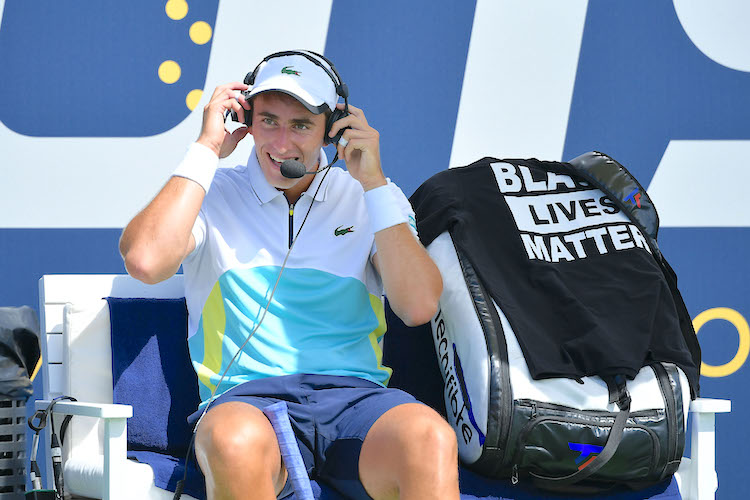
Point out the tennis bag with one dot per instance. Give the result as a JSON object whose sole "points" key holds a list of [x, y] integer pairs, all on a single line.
{"points": [[567, 354]]}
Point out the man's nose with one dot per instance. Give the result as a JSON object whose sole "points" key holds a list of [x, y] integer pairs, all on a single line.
{"points": [[283, 140]]}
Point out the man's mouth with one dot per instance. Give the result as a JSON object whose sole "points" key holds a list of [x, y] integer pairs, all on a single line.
{"points": [[278, 161]]}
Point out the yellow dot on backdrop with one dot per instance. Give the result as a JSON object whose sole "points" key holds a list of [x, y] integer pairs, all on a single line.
{"points": [[200, 32], [176, 9], [193, 98], [169, 72]]}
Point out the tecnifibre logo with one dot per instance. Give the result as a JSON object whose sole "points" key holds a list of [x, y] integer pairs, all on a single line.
{"points": [[588, 452], [457, 400], [634, 197]]}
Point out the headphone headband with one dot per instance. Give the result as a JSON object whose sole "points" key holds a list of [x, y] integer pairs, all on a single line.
{"points": [[341, 89]]}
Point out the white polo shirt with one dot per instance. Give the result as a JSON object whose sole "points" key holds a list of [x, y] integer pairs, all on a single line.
{"points": [[326, 315]]}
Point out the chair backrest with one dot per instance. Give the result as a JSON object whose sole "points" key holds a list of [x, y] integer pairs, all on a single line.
{"points": [[81, 290], [76, 345]]}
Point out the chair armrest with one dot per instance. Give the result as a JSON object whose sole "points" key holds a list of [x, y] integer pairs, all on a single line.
{"points": [[98, 410], [699, 479], [115, 439], [706, 405]]}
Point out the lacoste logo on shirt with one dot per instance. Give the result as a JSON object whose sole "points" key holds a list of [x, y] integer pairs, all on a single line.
{"points": [[340, 232]]}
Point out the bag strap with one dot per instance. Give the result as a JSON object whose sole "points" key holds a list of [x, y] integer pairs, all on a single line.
{"points": [[622, 398]]}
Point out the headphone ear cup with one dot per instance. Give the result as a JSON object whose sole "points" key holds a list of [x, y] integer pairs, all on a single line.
{"points": [[248, 113], [337, 114], [249, 117]]}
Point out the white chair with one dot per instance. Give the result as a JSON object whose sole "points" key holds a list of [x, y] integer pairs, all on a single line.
{"points": [[76, 349], [77, 362]]}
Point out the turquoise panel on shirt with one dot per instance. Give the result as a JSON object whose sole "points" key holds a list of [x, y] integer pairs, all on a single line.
{"points": [[317, 323]]}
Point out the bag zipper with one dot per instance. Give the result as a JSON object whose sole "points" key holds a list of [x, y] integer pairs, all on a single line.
{"points": [[534, 405], [291, 224]]}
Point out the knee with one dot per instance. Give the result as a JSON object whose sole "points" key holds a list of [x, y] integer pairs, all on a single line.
{"points": [[410, 449], [429, 436], [236, 436]]}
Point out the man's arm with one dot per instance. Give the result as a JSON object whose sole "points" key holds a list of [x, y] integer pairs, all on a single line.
{"points": [[157, 240], [412, 281]]}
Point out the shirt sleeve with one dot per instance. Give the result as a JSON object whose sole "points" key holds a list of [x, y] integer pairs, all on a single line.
{"points": [[405, 207], [199, 234]]}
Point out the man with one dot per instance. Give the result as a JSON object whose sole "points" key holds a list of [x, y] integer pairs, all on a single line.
{"points": [[314, 289]]}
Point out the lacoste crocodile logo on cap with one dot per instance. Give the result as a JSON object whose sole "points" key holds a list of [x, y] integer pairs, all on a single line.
{"points": [[340, 232], [289, 71]]}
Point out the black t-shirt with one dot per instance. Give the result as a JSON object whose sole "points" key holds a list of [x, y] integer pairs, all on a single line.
{"points": [[573, 275]]}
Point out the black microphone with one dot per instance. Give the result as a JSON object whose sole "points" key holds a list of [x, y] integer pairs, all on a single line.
{"points": [[293, 169]]}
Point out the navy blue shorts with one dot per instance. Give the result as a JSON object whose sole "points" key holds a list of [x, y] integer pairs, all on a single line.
{"points": [[330, 416]]}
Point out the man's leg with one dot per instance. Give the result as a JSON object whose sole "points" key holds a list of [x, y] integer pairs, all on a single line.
{"points": [[410, 453], [238, 453]]}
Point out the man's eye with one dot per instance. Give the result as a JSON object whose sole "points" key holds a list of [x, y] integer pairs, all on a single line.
{"points": [[301, 126], [268, 121]]}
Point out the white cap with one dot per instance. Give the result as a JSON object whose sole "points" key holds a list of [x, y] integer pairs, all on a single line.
{"points": [[299, 77]]}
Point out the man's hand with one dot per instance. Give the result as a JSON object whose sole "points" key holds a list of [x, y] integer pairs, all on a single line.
{"points": [[362, 152], [213, 134]]}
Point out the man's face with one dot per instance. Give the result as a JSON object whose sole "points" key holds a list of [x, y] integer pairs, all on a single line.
{"points": [[284, 129]]}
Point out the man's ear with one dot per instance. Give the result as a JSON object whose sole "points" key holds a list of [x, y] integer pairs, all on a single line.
{"points": [[240, 133]]}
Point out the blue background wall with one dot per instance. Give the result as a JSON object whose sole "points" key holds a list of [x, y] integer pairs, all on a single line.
{"points": [[90, 128]]}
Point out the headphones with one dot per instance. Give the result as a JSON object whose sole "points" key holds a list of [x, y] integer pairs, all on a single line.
{"points": [[341, 89]]}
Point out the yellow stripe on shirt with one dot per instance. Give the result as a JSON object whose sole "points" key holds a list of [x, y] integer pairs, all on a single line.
{"points": [[377, 307], [214, 326]]}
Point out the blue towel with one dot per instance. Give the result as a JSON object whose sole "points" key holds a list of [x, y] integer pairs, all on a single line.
{"points": [[152, 372]]}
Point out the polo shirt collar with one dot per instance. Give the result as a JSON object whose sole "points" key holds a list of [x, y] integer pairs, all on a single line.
{"points": [[264, 192]]}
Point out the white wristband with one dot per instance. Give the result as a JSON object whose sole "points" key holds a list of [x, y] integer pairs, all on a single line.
{"points": [[383, 208], [199, 165]]}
